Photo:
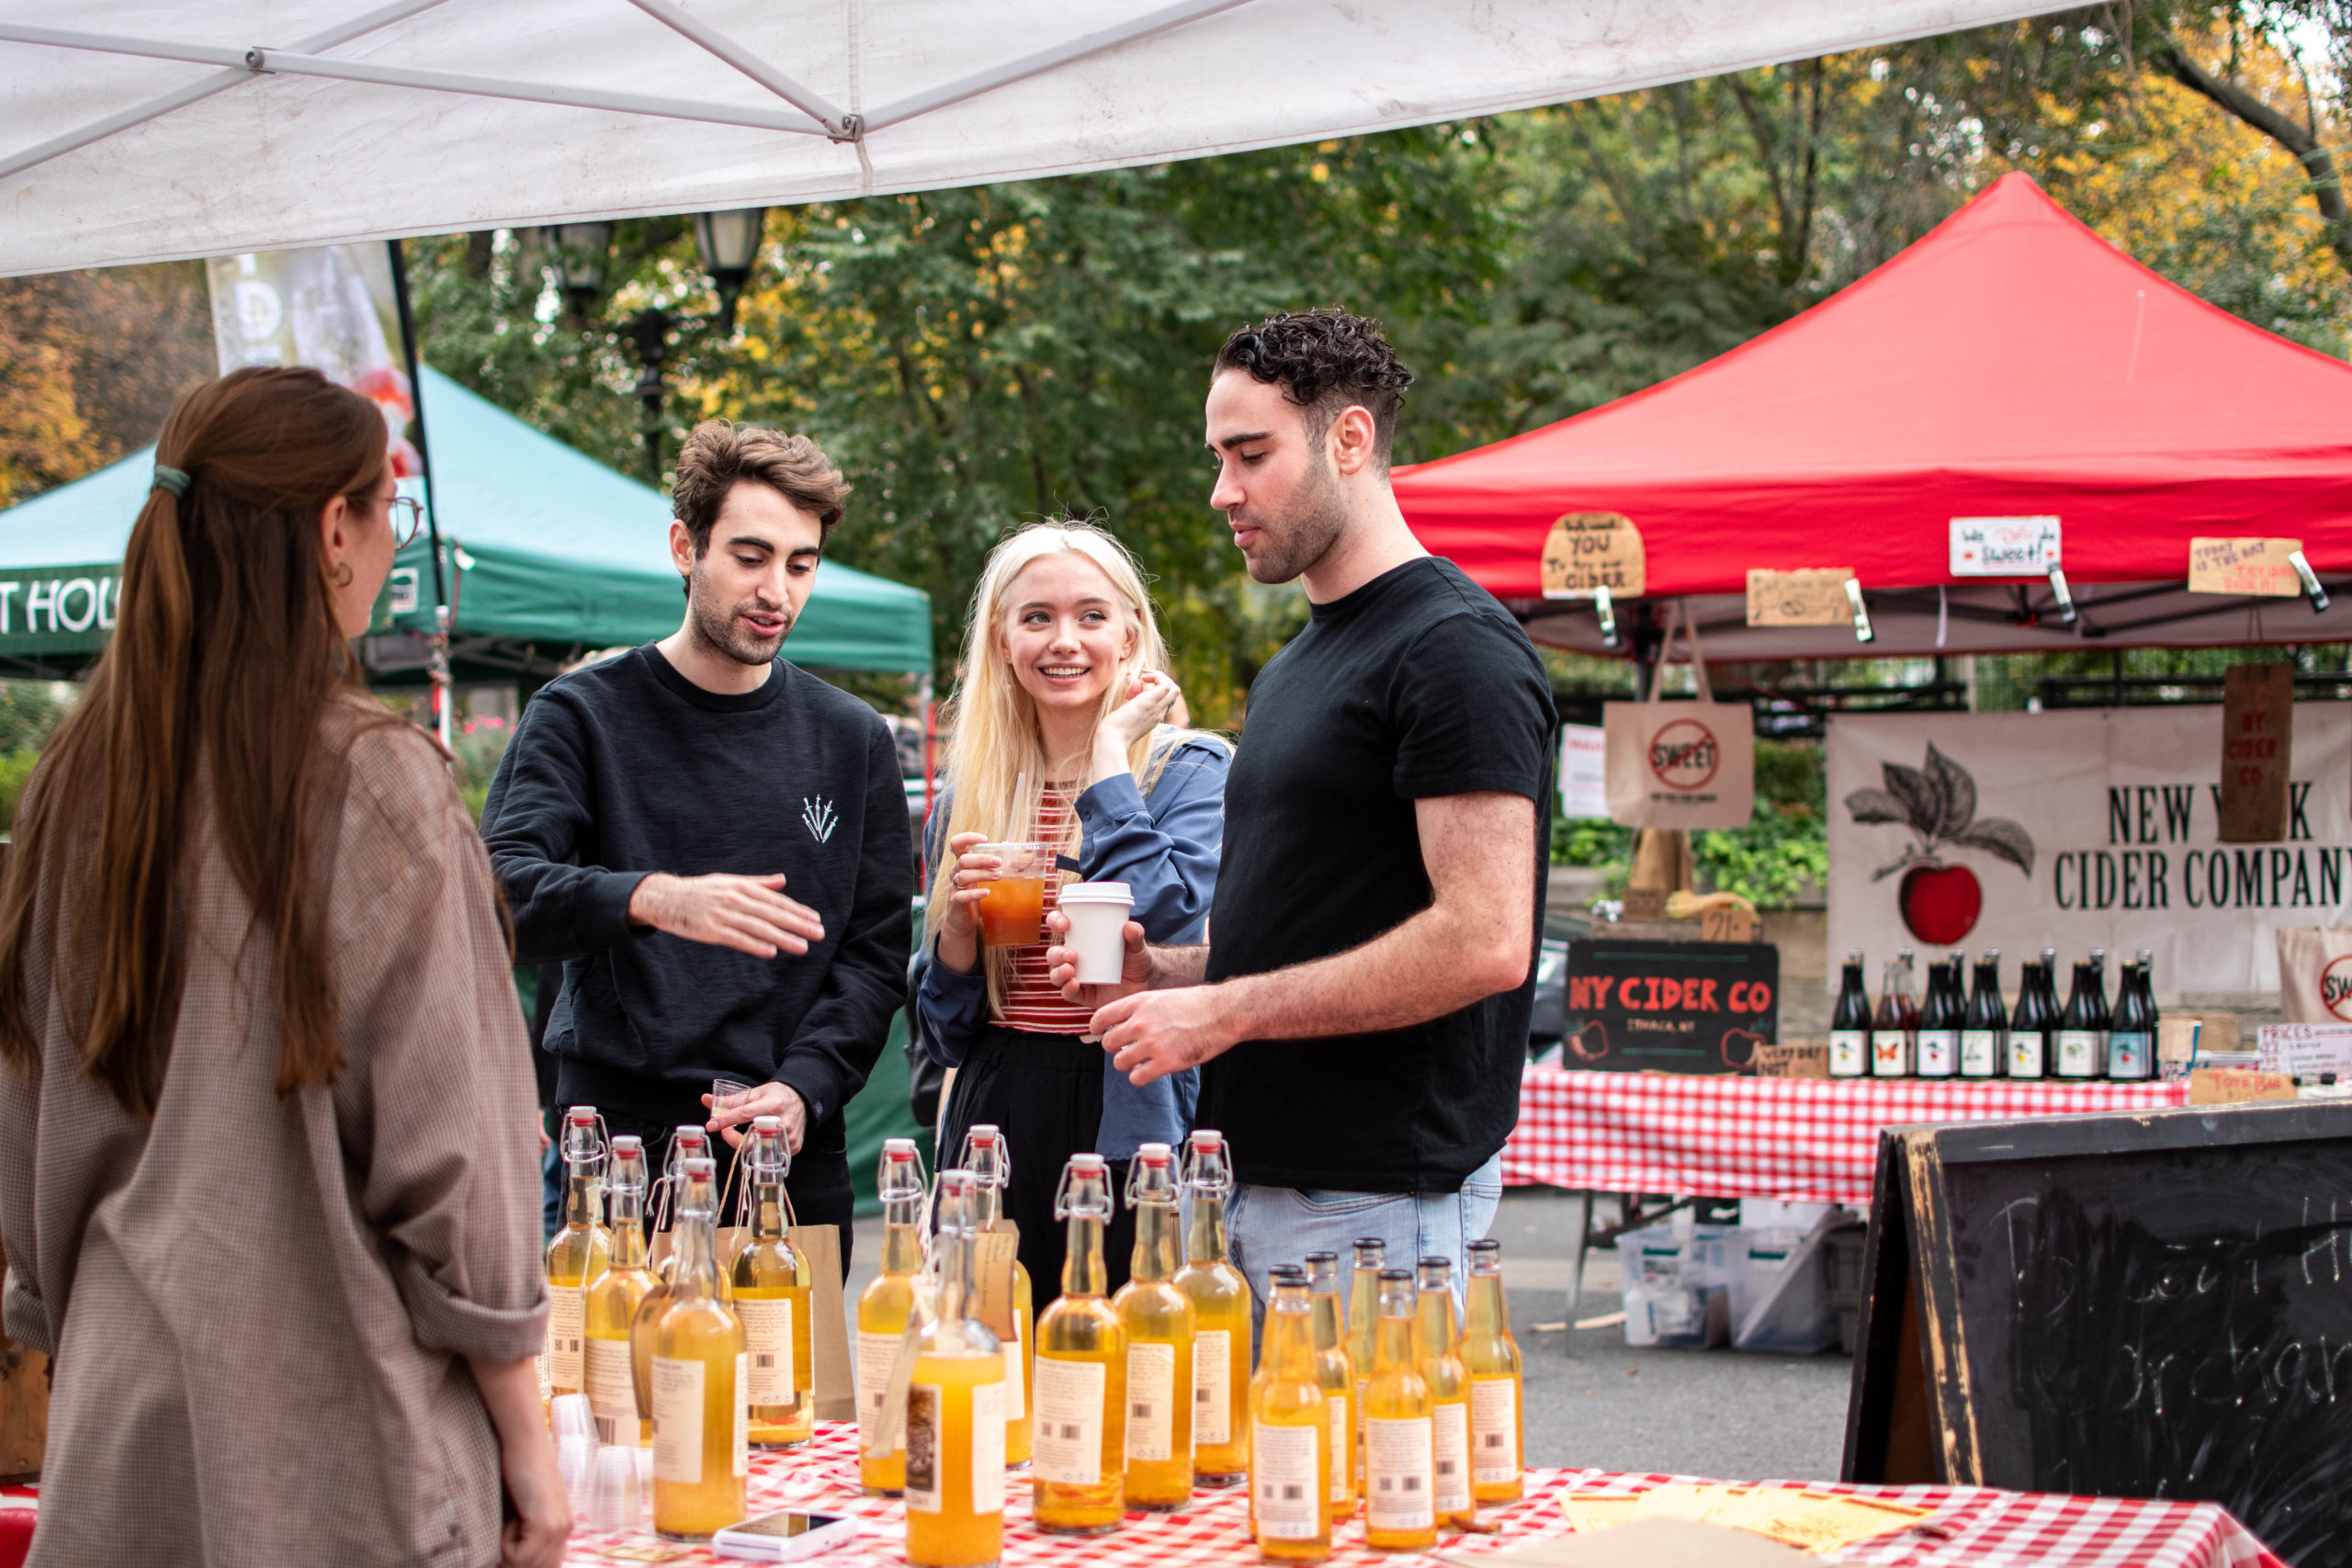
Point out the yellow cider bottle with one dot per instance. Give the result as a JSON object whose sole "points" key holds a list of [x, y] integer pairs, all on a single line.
{"points": [[1220, 1299], [1158, 1319], [1363, 1327], [1290, 1432], [701, 1424], [882, 1312], [1497, 1439], [689, 1142], [1080, 1378], [769, 1282], [1449, 1383], [954, 1445], [989, 1157], [1397, 1468], [577, 1258], [612, 1302], [1337, 1377]]}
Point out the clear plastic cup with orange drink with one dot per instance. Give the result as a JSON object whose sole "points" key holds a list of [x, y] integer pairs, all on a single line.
{"points": [[1012, 909]]}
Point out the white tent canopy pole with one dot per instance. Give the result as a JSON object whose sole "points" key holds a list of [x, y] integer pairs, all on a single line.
{"points": [[431, 116]]}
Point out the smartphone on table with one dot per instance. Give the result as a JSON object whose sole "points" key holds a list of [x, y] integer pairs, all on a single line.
{"points": [[783, 1537]]}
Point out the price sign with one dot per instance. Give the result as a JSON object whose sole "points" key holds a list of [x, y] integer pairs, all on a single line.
{"points": [[1810, 596], [2244, 566], [1586, 552]]}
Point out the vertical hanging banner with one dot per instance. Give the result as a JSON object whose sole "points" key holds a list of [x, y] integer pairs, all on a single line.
{"points": [[2257, 731]]}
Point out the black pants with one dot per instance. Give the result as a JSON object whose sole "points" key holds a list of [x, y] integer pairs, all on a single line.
{"points": [[818, 1186], [1046, 1092]]}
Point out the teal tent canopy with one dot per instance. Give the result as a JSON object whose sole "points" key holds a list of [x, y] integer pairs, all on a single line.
{"points": [[547, 554]]}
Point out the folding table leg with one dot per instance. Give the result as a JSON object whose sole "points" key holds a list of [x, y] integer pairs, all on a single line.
{"points": [[1580, 1233]]}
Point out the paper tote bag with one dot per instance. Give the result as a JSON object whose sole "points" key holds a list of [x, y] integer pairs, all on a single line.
{"points": [[1680, 764]]}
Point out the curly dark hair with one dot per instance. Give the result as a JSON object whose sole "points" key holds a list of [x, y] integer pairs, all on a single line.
{"points": [[719, 456], [1326, 361]]}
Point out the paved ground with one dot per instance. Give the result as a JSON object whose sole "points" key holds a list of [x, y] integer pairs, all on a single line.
{"points": [[1592, 1400]]}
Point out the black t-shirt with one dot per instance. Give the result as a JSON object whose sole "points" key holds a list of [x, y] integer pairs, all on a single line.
{"points": [[1416, 685]]}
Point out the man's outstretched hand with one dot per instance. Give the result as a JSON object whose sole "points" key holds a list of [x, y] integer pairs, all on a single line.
{"points": [[1150, 1035], [746, 913]]}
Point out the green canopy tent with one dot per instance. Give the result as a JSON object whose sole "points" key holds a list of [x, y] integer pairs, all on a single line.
{"points": [[547, 554]]}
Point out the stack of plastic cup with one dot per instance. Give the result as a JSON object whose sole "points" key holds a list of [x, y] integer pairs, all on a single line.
{"points": [[616, 1505], [575, 1448]]}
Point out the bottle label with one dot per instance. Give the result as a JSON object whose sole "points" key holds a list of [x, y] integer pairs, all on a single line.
{"points": [[2078, 1053], [567, 1326], [2129, 1053], [2027, 1047], [547, 1387], [924, 1493], [1151, 1402], [677, 1420], [988, 1448], [1016, 1374], [1397, 1463], [1211, 1387], [767, 1333], [743, 1414], [1069, 1421], [1849, 1053], [1938, 1053], [876, 1354], [1341, 1477], [1980, 1053], [1890, 1052], [1450, 1465], [1494, 1431], [1282, 1475], [612, 1393]]}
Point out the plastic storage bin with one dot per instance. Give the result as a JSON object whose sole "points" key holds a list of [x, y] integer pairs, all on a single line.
{"points": [[1677, 1285], [1779, 1292]]}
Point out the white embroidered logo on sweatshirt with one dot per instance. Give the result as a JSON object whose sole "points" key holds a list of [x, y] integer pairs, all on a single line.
{"points": [[817, 816]]}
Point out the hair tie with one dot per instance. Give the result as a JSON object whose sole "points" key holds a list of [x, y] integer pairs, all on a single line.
{"points": [[170, 479]]}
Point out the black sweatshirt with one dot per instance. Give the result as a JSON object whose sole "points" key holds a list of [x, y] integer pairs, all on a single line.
{"points": [[627, 768]]}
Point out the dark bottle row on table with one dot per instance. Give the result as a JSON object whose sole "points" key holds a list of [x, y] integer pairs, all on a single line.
{"points": [[1971, 1032]]}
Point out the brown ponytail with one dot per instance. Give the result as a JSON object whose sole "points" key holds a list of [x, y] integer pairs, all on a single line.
{"points": [[224, 656]]}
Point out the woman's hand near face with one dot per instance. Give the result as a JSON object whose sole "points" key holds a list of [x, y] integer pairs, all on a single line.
{"points": [[1150, 697], [959, 928]]}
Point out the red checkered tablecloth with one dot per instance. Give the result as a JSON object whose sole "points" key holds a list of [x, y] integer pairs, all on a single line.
{"points": [[1805, 1140]]}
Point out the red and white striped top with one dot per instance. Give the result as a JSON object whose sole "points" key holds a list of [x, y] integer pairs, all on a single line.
{"points": [[1031, 1004]]}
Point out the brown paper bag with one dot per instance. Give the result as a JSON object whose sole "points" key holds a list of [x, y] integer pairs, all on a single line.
{"points": [[832, 1384], [2315, 974], [1680, 764]]}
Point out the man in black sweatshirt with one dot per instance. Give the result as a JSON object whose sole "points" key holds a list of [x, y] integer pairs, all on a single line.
{"points": [[714, 843]]}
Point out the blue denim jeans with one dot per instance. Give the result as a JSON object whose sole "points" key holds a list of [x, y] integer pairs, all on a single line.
{"points": [[1267, 1226]]}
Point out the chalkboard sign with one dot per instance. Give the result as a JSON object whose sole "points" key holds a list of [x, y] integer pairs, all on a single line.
{"points": [[1677, 1007], [2145, 1305]]}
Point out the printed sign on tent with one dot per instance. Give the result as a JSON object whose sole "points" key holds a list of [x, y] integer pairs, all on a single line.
{"points": [[1583, 771], [2075, 830]]}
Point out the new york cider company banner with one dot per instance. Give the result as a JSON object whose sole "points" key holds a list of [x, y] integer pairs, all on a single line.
{"points": [[2078, 831]]}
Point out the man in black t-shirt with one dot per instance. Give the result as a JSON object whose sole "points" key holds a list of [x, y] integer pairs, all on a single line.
{"points": [[1360, 1016]]}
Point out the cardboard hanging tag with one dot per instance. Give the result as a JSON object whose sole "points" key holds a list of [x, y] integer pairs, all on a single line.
{"points": [[1586, 552], [1726, 923], [1799, 1059], [2257, 567], [994, 1252], [833, 1383], [2257, 734], [1809, 596]]}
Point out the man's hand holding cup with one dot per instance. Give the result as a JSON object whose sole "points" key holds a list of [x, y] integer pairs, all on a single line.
{"points": [[1062, 962]]}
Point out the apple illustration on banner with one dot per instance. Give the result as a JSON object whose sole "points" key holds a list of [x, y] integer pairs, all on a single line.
{"points": [[1939, 901]]}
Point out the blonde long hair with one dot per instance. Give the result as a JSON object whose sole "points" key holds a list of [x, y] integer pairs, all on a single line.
{"points": [[997, 741]]}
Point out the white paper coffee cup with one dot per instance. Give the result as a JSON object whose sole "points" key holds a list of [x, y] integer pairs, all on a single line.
{"points": [[1098, 921]]}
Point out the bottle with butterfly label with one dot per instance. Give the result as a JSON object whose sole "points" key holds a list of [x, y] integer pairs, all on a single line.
{"points": [[579, 1254], [1221, 1315], [702, 1434], [1290, 1432], [882, 1309], [1158, 1320], [612, 1302], [1078, 1465], [771, 1283]]}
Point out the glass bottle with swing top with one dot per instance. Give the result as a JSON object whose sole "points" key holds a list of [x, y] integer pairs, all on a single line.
{"points": [[1498, 1443], [1397, 1437], [688, 1142], [1078, 1467], [1337, 1376], [612, 1302], [577, 1255], [1363, 1328], [882, 1309], [1449, 1383], [955, 1425], [770, 1280], [1158, 1319], [701, 1375], [989, 1158], [1220, 1300], [1290, 1432]]}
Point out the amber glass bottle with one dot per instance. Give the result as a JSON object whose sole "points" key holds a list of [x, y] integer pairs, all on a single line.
{"points": [[1220, 1300], [954, 1482], [577, 1258], [1081, 1372], [1397, 1460], [1337, 1376], [688, 1142], [882, 1312], [612, 1302], [1363, 1329], [1449, 1383], [989, 1157], [1290, 1432], [1491, 1356], [771, 1283], [1158, 1319], [701, 1423]]}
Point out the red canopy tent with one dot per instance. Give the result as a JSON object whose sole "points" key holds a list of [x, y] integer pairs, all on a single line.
{"points": [[2010, 363]]}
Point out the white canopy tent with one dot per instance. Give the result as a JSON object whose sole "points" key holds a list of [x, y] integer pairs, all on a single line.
{"points": [[159, 129]]}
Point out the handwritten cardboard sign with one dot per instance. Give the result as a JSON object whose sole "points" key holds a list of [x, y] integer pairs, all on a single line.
{"points": [[1586, 552], [1808, 596], [2305, 1050], [2244, 566], [2236, 1086], [2257, 727], [2004, 546]]}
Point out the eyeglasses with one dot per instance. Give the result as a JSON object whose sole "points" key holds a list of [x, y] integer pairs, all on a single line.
{"points": [[406, 514]]}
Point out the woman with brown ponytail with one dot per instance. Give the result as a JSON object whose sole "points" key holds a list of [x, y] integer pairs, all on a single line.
{"points": [[268, 1177]]}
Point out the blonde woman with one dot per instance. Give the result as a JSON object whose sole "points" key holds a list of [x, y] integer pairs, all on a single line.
{"points": [[1060, 738]]}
